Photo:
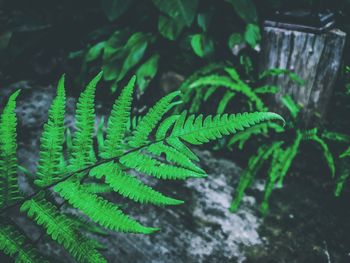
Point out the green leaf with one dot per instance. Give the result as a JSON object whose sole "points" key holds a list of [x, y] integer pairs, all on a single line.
{"points": [[151, 119], [146, 164], [245, 9], [118, 122], [198, 130], [180, 10], [146, 73], [291, 105], [129, 186], [235, 39], [16, 245], [98, 209], [95, 51], [113, 54], [135, 48], [202, 45], [252, 35], [9, 189], [85, 124], [170, 28], [115, 8], [61, 229], [51, 141]]}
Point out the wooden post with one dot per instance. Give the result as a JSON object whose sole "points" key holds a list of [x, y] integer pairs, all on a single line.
{"points": [[314, 57]]}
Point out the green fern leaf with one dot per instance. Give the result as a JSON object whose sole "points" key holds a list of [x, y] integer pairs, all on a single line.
{"points": [[177, 144], [222, 81], [52, 138], [151, 119], [98, 209], [173, 155], [9, 190], [291, 105], [14, 244], [224, 101], [85, 121], [267, 89], [61, 229], [325, 149], [195, 130], [245, 135], [129, 186], [345, 154], [118, 122], [146, 164], [254, 164]]}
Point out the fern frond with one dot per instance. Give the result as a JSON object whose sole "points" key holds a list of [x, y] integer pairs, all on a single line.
{"points": [[118, 122], [151, 119], [222, 81], [14, 244], [164, 126], [281, 162], [290, 154], [97, 188], [245, 135], [174, 156], [129, 186], [229, 95], [344, 174], [290, 104], [61, 229], [278, 158], [345, 153], [267, 89], [85, 123], [210, 91], [177, 144], [196, 130], [98, 209], [254, 164], [146, 164], [335, 136], [325, 149], [9, 189], [51, 141]]}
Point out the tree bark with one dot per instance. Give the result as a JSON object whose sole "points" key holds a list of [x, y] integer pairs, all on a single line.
{"points": [[315, 58]]}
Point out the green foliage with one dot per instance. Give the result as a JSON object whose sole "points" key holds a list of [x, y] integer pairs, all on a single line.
{"points": [[51, 141], [14, 244], [61, 229], [155, 145], [9, 190], [184, 24], [203, 84], [281, 155]]}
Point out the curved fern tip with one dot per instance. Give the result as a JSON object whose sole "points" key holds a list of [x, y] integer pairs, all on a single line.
{"points": [[277, 117], [15, 94], [132, 80]]}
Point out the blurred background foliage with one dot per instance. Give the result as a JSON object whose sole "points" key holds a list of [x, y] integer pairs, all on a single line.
{"points": [[44, 38]]}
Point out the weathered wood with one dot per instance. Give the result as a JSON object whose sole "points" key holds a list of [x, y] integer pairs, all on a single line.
{"points": [[315, 58]]}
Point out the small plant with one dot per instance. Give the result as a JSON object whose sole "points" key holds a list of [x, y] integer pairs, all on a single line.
{"points": [[77, 172], [281, 152]]}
